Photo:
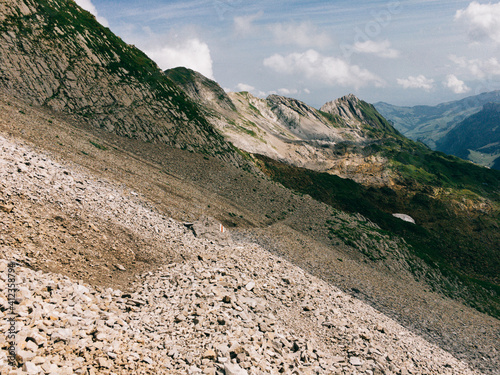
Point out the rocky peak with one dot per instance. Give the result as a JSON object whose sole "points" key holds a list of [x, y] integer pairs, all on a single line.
{"points": [[346, 107], [357, 114], [293, 113]]}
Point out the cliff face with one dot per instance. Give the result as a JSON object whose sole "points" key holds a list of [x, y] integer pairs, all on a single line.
{"points": [[53, 53]]}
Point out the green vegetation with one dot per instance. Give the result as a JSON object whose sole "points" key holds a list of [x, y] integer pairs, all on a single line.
{"points": [[462, 245], [79, 34], [98, 146], [332, 119]]}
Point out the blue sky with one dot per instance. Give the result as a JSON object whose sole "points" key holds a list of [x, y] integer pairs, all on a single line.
{"points": [[402, 52]]}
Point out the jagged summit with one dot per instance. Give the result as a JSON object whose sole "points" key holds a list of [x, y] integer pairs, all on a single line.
{"points": [[358, 114]]}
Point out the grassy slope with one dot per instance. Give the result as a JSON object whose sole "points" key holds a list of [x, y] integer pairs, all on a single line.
{"points": [[126, 61], [462, 244]]}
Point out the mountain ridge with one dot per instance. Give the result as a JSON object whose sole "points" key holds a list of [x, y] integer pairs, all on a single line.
{"points": [[476, 137], [85, 70]]}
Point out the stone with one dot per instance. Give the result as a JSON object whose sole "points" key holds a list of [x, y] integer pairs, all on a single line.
{"points": [[210, 354], [355, 361], [31, 368], [250, 285], [234, 369], [7, 208], [23, 356]]}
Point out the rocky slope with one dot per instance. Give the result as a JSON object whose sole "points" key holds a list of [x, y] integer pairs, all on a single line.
{"points": [[53, 53], [332, 139], [61, 218], [221, 308], [99, 245]]}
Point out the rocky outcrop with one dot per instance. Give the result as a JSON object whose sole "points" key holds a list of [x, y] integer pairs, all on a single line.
{"points": [[53, 53], [360, 116]]}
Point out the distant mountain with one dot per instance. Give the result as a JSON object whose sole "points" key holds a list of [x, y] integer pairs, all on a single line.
{"points": [[431, 123], [338, 138], [476, 138]]}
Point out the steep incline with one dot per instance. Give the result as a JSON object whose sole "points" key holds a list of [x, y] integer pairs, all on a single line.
{"points": [[212, 306], [53, 53]]}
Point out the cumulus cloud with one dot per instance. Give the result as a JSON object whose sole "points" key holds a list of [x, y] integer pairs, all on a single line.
{"points": [[332, 70], [89, 7], [456, 85], [478, 68], [382, 49], [482, 20], [418, 82], [192, 54], [301, 34]]}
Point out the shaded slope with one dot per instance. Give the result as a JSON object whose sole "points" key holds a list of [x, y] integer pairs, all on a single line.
{"points": [[430, 123], [477, 134]]}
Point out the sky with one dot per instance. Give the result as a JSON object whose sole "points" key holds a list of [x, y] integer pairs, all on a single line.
{"points": [[409, 52]]}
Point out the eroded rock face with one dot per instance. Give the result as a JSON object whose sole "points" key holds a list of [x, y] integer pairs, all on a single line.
{"points": [[69, 62]]}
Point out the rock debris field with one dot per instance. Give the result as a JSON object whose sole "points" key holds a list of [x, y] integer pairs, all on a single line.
{"points": [[202, 305]]}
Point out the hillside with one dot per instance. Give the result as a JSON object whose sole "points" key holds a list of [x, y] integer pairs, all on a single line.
{"points": [[431, 123], [455, 203], [97, 208], [55, 54], [118, 175], [476, 138], [337, 138]]}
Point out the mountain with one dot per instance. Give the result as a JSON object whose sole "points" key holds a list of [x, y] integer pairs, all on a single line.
{"points": [[476, 138], [57, 55], [431, 123], [317, 188], [331, 139]]}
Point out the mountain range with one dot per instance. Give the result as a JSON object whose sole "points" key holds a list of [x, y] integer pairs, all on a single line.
{"points": [[317, 187], [432, 124]]}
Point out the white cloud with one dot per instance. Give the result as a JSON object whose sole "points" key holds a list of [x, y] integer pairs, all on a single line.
{"points": [[244, 87], [456, 85], [478, 68], [192, 54], [89, 7], [301, 34], [244, 25], [285, 92], [382, 49], [418, 82], [331, 70], [482, 20]]}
